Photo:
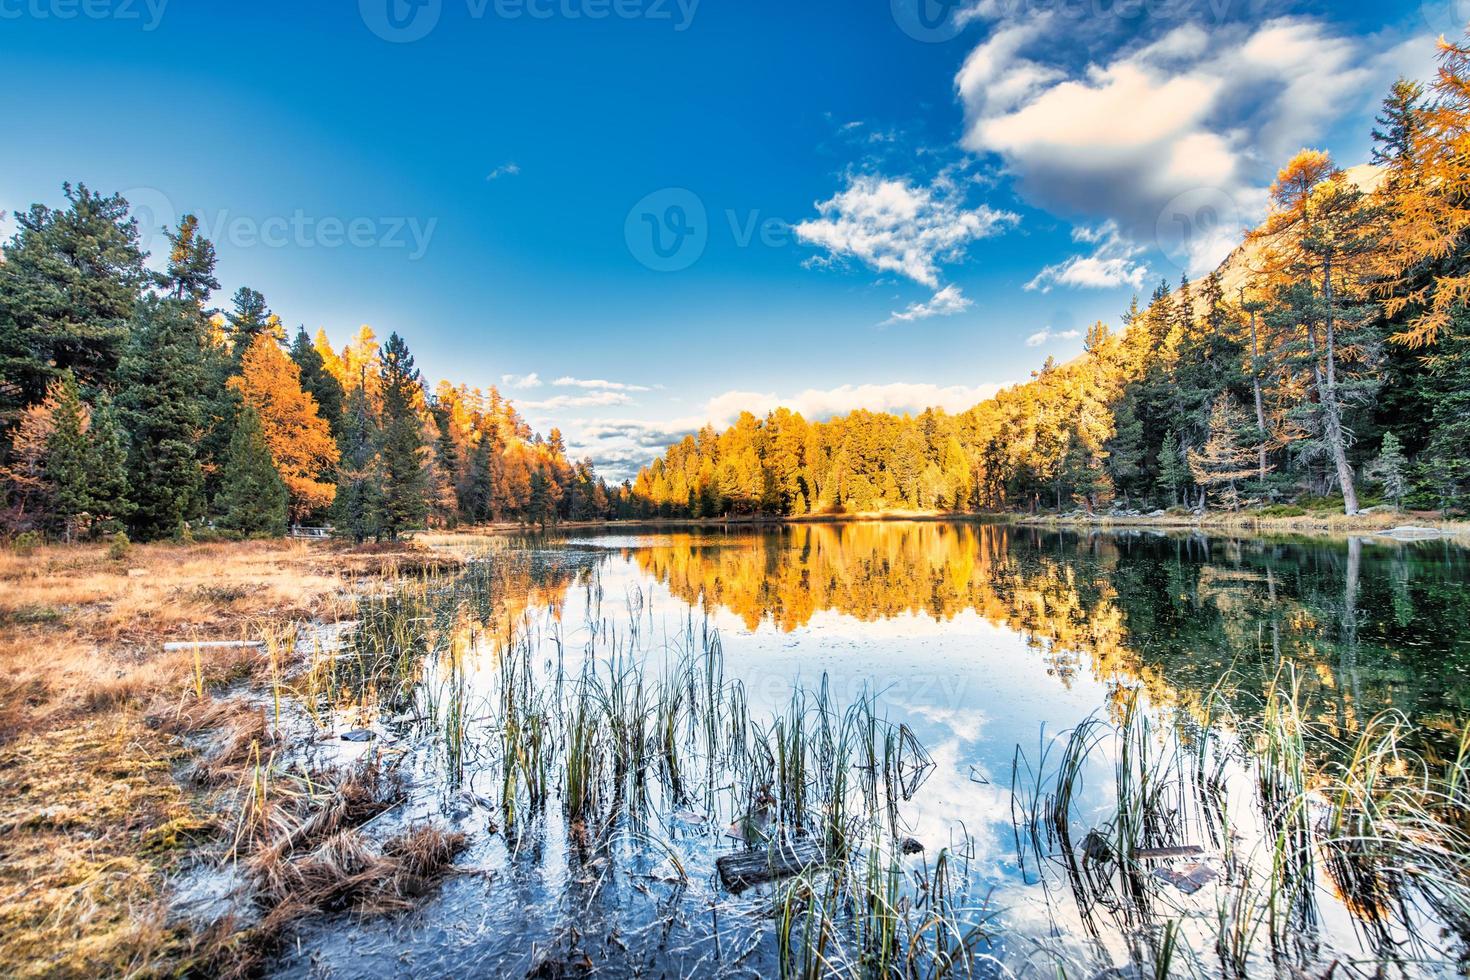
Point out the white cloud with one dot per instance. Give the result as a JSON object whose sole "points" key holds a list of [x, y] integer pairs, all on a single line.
{"points": [[597, 384], [1047, 335], [521, 381], [1111, 264], [505, 170], [1191, 113], [947, 302], [558, 402], [893, 225]]}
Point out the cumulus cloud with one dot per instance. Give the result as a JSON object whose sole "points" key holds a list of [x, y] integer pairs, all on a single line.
{"points": [[893, 225], [505, 170], [1131, 139], [1046, 335], [1112, 263], [947, 302], [522, 382]]}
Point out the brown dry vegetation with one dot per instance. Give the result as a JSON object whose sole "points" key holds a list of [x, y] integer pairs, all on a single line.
{"points": [[105, 779]]}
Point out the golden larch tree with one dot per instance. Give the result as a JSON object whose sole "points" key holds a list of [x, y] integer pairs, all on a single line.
{"points": [[300, 440], [1428, 193]]}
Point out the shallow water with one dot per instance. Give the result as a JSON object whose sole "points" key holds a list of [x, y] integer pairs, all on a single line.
{"points": [[978, 638]]}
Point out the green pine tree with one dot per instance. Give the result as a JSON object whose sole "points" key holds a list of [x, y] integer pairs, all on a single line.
{"points": [[68, 282], [162, 408], [405, 483], [318, 382], [248, 319], [1391, 470], [254, 499], [1172, 468], [107, 469], [540, 511], [67, 458], [358, 510], [190, 272]]}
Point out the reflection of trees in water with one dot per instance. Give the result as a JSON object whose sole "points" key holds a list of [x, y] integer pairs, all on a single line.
{"points": [[1371, 625]]}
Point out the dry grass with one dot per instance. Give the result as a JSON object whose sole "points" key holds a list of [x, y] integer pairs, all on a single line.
{"points": [[102, 791]]}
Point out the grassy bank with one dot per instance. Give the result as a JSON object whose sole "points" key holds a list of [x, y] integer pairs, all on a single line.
{"points": [[1281, 520], [102, 729]]}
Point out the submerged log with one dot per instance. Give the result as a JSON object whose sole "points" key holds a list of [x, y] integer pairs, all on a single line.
{"points": [[783, 860]]}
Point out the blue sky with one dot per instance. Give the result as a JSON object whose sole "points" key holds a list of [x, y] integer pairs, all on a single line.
{"points": [[695, 206]]}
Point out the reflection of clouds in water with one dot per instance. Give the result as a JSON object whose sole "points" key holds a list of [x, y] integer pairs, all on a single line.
{"points": [[950, 805], [966, 723]]}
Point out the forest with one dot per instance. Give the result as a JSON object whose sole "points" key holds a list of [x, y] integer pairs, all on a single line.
{"points": [[1327, 360], [128, 405]]}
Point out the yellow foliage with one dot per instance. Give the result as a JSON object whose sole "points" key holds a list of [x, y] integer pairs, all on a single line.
{"points": [[299, 439]]}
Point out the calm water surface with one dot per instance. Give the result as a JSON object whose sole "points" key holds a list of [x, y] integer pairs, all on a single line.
{"points": [[979, 638]]}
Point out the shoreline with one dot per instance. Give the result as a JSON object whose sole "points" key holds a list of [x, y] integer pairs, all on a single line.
{"points": [[1413, 525]]}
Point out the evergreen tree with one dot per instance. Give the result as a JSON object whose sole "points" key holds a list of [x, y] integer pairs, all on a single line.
{"points": [[1398, 126], [1391, 470], [68, 282], [68, 457], [107, 470], [1445, 462], [358, 509], [405, 489], [249, 318], [254, 498], [162, 409], [318, 382], [1172, 470], [540, 511], [190, 272]]}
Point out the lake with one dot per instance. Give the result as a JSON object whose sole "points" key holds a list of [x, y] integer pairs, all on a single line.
{"points": [[991, 750]]}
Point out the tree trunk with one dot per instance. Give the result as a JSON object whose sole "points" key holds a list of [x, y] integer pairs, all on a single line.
{"points": [[1256, 384], [1328, 388]]}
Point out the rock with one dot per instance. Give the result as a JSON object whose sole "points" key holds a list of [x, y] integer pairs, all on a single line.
{"points": [[1410, 533], [1159, 513], [911, 846], [1095, 847], [359, 735], [1188, 879]]}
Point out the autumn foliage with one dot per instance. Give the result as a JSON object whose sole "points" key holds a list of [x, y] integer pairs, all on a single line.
{"points": [[299, 439]]}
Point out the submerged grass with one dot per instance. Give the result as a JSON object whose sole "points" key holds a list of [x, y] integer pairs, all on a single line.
{"points": [[1377, 830]]}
